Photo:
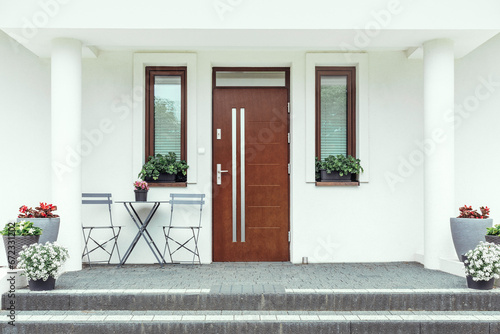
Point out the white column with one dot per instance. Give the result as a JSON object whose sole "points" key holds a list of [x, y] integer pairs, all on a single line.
{"points": [[439, 177], [66, 85]]}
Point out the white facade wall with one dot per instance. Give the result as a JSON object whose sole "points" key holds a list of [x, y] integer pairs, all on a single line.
{"points": [[381, 220], [477, 116], [371, 222], [25, 131]]}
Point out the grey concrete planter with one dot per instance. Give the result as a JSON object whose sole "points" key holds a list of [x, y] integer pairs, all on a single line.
{"points": [[467, 233], [49, 226]]}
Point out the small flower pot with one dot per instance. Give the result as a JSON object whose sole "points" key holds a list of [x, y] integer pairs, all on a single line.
{"points": [[41, 285], [492, 238], [480, 285], [141, 195]]}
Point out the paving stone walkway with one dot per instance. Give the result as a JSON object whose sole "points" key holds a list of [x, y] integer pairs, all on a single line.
{"points": [[261, 277]]}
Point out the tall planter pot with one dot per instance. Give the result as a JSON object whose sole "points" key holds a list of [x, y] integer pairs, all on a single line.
{"points": [[49, 226], [14, 244], [467, 233]]}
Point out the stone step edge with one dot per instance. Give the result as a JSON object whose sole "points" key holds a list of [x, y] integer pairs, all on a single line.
{"points": [[306, 302], [193, 316], [287, 291]]}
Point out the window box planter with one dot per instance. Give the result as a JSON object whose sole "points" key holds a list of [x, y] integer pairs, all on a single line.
{"points": [[164, 177], [334, 176]]}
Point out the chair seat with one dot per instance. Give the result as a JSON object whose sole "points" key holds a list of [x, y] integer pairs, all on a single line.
{"points": [[183, 227]]}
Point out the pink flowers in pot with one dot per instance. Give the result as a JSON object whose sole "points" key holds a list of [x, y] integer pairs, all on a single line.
{"points": [[141, 185], [467, 212]]}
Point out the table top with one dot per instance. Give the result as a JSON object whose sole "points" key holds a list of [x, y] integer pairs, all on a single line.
{"points": [[135, 202]]}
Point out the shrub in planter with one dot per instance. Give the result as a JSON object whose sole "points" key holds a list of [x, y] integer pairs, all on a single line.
{"points": [[163, 168], [482, 265], [336, 168], [42, 263], [468, 228], [42, 216], [16, 236]]}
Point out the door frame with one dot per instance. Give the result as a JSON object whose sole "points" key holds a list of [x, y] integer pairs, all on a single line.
{"points": [[286, 70]]}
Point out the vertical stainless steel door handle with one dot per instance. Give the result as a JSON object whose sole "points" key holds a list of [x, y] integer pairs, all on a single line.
{"points": [[219, 173]]}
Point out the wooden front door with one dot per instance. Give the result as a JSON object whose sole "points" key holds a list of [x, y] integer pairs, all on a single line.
{"points": [[251, 199]]}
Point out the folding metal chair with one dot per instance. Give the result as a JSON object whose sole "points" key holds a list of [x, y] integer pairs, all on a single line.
{"points": [[191, 243], [100, 199]]}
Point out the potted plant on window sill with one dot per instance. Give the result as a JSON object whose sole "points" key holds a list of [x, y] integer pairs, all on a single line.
{"points": [[42, 263], [163, 168], [338, 168], [467, 230], [15, 236], [42, 216]]}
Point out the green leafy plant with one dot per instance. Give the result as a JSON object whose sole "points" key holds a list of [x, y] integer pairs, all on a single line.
{"points": [[162, 164], [495, 230], [40, 261], [22, 228], [340, 163]]}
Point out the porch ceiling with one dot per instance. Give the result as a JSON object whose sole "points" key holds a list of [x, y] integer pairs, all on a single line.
{"points": [[39, 40]]}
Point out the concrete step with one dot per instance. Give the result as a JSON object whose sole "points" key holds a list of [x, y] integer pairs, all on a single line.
{"points": [[289, 300], [208, 322]]}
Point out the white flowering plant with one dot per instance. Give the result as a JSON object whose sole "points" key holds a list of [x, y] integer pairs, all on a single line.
{"points": [[483, 262], [22, 228], [40, 261]]}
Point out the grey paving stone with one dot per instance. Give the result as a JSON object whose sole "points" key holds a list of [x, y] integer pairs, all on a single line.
{"points": [[338, 275], [393, 327], [456, 327]]}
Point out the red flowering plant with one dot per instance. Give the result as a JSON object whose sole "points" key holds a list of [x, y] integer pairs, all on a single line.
{"points": [[43, 211], [467, 212]]}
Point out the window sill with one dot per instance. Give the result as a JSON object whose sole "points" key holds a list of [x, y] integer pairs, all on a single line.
{"points": [[337, 184], [168, 184]]}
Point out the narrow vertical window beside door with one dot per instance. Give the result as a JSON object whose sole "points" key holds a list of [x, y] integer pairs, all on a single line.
{"points": [[165, 111], [335, 111]]}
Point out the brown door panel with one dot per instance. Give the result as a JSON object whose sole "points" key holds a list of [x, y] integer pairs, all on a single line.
{"points": [[266, 179]]}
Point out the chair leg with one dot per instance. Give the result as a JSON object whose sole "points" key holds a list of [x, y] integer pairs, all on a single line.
{"points": [[86, 249]]}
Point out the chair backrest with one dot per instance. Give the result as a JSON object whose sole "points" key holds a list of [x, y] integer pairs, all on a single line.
{"points": [[197, 199], [99, 199], [186, 199]]}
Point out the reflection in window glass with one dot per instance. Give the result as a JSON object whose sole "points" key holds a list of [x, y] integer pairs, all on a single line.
{"points": [[167, 115], [333, 115]]}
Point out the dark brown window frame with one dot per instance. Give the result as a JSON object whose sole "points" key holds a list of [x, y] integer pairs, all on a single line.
{"points": [[350, 73], [151, 72]]}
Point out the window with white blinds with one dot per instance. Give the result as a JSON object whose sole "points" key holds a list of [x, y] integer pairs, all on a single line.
{"points": [[335, 111], [165, 111]]}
